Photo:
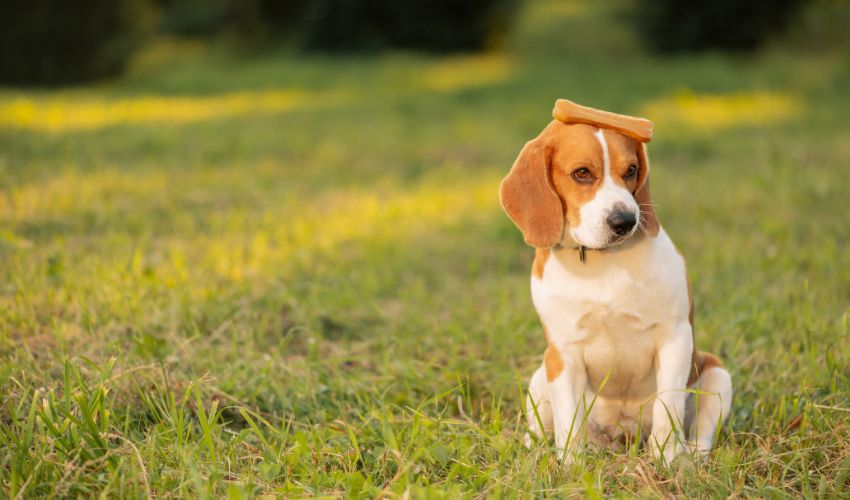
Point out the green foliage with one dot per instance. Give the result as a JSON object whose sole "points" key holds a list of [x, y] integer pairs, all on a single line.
{"points": [[433, 25], [290, 276], [194, 17], [676, 26], [66, 41], [351, 25]]}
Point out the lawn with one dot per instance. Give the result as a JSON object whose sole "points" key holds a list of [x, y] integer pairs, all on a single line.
{"points": [[231, 274]]}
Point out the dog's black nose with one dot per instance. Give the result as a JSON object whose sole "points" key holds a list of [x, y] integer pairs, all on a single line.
{"points": [[621, 222]]}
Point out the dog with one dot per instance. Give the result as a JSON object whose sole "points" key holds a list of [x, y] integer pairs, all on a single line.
{"points": [[612, 294]]}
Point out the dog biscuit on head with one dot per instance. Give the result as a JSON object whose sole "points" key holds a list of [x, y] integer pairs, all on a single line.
{"points": [[639, 129]]}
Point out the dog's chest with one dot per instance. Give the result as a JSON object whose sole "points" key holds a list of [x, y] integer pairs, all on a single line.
{"points": [[618, 351], [623, 299], [612, 313]]}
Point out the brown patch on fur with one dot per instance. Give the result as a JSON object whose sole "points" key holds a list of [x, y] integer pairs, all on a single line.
{"points": [[527, 195], [539, 192], [541, 255], [710, 361], [553, 362], [702, 361], [648, 220]]}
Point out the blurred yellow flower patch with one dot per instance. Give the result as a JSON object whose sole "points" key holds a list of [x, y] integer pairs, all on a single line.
{"points": [[71, 113], [340, 218], [458, 73], [719, 111]]}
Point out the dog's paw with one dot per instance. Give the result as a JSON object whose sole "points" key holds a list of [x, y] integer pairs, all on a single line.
{"points": [[669, 451], [700, 450], [569, 455]]}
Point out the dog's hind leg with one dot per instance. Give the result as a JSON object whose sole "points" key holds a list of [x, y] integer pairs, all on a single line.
{"points": [[708, 406], [538, 398]]}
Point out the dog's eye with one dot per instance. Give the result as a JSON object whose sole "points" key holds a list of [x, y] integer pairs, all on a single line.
{"points": [[582, 174], [631, 172]]}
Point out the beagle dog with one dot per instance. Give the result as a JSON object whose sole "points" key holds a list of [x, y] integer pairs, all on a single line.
{"points": [[612, 294]]}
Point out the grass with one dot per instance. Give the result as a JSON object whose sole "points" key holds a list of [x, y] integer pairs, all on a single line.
{"points": [[235, 276]]}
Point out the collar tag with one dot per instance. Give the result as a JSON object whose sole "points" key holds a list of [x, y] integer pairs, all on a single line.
{"points": [[581, 253]]}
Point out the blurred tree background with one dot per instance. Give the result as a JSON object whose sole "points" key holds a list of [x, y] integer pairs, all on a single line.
{"points": [[50, 42], [58, 41], [675, 26]]}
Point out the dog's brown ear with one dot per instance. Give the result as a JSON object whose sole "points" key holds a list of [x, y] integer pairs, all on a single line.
{"points": [[529, 199], [648, 220]]}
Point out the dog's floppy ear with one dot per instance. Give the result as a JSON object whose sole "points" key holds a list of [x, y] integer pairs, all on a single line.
{"points": [[529, 199], [648, 220]]}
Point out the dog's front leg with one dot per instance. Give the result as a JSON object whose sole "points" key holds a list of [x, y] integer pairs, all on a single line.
{"points": [[567, 380], [668, 410]]}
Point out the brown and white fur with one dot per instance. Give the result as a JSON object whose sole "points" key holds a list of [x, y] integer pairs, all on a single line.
{"points": [[620, 359]]}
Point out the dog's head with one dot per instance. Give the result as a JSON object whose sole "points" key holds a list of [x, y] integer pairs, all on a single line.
{"points": [[580, 184]]}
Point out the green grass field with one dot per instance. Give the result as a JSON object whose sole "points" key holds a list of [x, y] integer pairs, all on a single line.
{"points": [[231, 275]]}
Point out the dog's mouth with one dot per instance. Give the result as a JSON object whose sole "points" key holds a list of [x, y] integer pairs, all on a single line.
{"points": [[609, 241], [619, 240], [615, 241]]}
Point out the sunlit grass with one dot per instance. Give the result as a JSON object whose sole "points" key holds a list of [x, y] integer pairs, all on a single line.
{"points": [[66, 112], [338, 219], [236, 245], [458, 73], [72, 112], [69, 191], [712, 112]]}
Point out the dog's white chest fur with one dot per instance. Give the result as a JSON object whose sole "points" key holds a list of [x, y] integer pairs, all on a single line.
{"points": [[614, 311]]}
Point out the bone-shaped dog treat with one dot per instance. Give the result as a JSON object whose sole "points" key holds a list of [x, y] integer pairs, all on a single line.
{"points": [[639, 129]]}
